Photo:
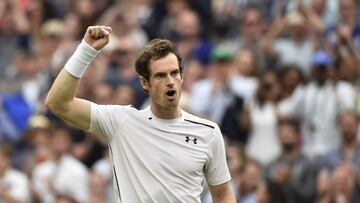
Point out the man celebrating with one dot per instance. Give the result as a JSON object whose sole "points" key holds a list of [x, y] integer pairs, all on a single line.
{"points": [[159, 154]]}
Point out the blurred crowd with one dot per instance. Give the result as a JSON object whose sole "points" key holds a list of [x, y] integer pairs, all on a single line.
{"points": [[280, 77]]}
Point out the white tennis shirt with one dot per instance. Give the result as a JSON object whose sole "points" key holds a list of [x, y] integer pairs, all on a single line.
{"points": [[157, 160]]}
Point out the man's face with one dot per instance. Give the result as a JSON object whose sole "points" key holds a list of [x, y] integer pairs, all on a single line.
{"points": [[61, 142], [164, 84], [288, 137], [252, 24]]}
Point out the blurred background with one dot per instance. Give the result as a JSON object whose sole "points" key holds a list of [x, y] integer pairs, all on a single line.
{"points": [[280, 77]]}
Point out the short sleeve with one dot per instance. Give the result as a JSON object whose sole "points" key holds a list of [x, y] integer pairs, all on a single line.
{"points": [[107, 119], [216, 170]]}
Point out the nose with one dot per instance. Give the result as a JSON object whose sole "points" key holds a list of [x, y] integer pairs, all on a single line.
{"points": [[170, 81]]}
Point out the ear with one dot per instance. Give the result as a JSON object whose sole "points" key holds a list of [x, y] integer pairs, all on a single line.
{"points": [[144, 83]]}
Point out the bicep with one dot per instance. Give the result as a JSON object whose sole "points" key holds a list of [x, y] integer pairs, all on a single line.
{"points": [[78, 114], [61, 101]]}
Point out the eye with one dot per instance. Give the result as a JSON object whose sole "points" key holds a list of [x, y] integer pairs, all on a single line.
{"points": [[160, 75], [175, 73]]}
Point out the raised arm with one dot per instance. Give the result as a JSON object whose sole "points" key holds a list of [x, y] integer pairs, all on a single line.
{"points": [[61, 98]]}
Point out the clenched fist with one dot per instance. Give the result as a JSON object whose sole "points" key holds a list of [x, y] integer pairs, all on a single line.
{"points": [[97, 36]]}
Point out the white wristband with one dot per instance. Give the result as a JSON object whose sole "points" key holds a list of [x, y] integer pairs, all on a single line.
{"points": [[80, 59]]}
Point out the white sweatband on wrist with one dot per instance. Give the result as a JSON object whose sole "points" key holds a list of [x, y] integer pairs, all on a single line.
{"points": [[80, 59]]}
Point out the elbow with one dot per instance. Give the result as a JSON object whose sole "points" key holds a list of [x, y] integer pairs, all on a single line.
{"points": [[54, 106], [49, 102]]}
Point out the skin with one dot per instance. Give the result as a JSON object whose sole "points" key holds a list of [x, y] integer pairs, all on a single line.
{"points": [[165, 75]]}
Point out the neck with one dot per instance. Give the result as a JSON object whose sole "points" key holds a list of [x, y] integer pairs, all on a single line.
{"points": [[349, 147], [298, 39], [349, 143], [57, 157], [166, 113], [291, 155]]}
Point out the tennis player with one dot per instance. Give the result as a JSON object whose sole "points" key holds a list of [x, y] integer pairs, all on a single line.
{"points": [[159, 154]]}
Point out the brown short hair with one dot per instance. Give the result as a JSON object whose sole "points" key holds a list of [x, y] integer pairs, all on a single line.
{"points": [[154, 50]]}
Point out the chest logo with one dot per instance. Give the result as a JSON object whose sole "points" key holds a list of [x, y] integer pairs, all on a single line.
{"points": [[194, 140]]}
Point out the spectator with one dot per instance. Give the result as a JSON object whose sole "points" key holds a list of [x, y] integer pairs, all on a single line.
{"points": [[189, 39], [261, 115], [215, 90], [315, 45], [291, 77], [244, 73], [102, 93], [248, 34], [123, 94], [56, 176], [317, 104], [244, 82], [121, 69], [252, 29], [14, 29], [122, 17], [68, 41], [237, 159], [14, 185], [98, 189], [287, 50], [291, 174], [103, 170], [343, 181], [326, 10], [194, 72], [251, 178], [349, 150]]}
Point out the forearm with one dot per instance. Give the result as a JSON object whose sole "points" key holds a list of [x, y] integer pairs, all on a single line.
{"points": [[222, 193], [226, 197], [61, 98], [64, 88]]}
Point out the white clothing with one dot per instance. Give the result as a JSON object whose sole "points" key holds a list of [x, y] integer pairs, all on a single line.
{"points": [[157, 160], [244, 86], [318, 108], [209, 102], [288, 52], [103, 167], [263, 144], [212, 104], [69, 176], [17, 183]]}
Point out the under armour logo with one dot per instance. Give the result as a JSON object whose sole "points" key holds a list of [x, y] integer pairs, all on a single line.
{"points": [[188, 139]]}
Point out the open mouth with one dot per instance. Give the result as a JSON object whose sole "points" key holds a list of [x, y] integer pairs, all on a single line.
{"points": [[170, 93]]}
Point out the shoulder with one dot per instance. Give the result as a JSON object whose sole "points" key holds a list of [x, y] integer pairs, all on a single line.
{"points": [[16, 175], [343, 85], [200, 122], [110, 112], [74, 165], [112, 108]]}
